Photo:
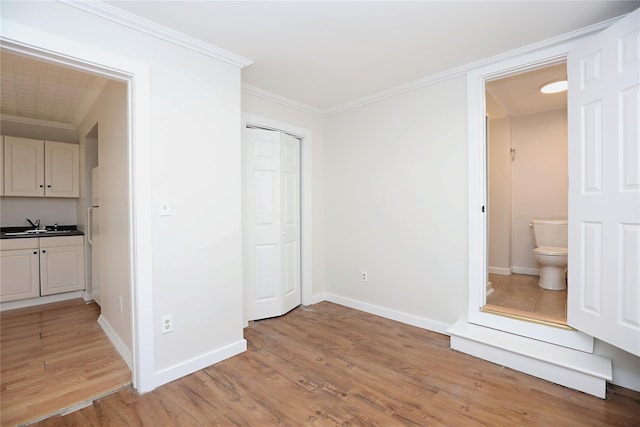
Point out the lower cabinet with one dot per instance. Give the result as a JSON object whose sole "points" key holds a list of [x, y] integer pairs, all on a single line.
{"points": [[41, 266], [19, 269]]}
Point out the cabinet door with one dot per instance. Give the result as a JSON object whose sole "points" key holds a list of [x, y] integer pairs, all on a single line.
{"points": [[1, 165], [61, 269], [62, 169], [23, 167], [19, 274]]}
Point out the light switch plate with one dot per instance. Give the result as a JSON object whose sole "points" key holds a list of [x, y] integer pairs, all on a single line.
{"points": [[165, 208]]}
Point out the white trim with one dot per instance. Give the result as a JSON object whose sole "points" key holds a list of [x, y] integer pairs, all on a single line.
{"points": [[32, 42], [580, 371], [526, 270], [256, 91], [306, 149], [125, 353], [36, 122], [315, 299], [114, 14], [387, 313], [185, 368], [32, 302], [500, 271], [459, 71]]}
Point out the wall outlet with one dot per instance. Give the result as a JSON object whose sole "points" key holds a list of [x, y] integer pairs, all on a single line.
{"points": [[364, 277], [167, 324]]}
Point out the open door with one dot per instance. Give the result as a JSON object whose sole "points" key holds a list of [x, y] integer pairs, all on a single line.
{"points": [[604, 190]]}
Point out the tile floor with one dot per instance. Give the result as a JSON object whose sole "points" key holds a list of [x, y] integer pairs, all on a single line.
{"points": [[521, 292]]}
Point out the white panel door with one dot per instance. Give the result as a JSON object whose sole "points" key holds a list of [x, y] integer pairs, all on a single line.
{"points": [[604, 193], [19, 274], [61, 268], [290, 160], [272, 223]]}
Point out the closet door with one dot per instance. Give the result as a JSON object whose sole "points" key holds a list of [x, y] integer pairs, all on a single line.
{"points": [[271, 223]]}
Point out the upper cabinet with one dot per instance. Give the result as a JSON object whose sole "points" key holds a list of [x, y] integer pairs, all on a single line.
{"points": [[36, 168]]}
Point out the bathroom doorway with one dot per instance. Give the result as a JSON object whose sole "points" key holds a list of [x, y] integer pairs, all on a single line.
{"points": [[527, 170]]}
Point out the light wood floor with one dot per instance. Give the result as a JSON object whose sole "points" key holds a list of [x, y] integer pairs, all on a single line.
{"points": [[327, 365], [54, 356]]}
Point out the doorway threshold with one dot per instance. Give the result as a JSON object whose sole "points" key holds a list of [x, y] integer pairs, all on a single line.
{"points": [[527, 316]]}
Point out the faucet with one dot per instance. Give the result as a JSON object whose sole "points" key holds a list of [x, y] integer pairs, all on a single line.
{"points": [[35, 225]]}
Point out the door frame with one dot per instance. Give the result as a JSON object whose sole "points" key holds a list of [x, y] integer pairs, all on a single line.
{"points": [[306, 259], [478, 197], [30, 42]]}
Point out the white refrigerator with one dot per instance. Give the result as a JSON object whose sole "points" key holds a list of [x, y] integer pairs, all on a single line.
{"points": [[93, 236]]}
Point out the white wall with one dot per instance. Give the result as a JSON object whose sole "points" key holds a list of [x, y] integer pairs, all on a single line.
{"points": [[14, 210], [266, 108], [499, 207], [194, 106], [540, 178], [396, 204], [110, 113]]}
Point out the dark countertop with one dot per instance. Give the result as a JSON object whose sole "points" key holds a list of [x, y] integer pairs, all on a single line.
{"points": [[52, 231]]}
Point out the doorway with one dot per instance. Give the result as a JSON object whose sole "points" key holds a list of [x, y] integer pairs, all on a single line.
{"points": [[527, 170]]}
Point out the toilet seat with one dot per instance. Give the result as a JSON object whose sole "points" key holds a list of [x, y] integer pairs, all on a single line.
{"points": [[551, 250]]}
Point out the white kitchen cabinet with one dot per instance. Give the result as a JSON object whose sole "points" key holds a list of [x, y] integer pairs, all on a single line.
{"points": [[61, 264], [19, 269], [37, 168], [1, 165], [36, 267]]}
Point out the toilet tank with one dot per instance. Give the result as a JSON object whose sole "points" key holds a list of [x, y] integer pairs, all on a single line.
{"points": [[550, 232]]}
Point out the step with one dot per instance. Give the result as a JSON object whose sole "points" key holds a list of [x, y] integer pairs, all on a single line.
{"points": [[571, 368]]}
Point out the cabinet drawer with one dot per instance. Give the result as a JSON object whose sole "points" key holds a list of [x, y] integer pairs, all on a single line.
{"points": [[15, 244], [49, 242]]}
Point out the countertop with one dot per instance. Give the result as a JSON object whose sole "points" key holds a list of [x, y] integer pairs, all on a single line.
{"points": [[52, 231]]}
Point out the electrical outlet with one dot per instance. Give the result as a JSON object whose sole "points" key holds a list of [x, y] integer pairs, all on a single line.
{"points": [[167, 324], [364, 277]]}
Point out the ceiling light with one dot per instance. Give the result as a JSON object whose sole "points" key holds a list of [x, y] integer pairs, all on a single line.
{"points": [[554, 86]]}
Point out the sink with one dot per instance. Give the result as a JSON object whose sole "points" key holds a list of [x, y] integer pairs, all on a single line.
{"points": [[38, 232]]}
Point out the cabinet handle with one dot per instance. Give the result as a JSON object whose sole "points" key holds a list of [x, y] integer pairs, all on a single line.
{"points": [[41, 186], [35, 252], [44, 252], [49, 186]]}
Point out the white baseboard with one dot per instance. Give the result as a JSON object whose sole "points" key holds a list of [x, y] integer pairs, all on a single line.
{"points": [[409, 319], [122, 348], [31, 302], [314, 299], [172, 373], [526, 270], [499, 270], [571, 368]]}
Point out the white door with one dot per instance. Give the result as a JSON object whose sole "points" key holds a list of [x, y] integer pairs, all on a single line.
{"points": [[19, 274], [61, 267], [93, 238], [604, 192], [272, 223]]}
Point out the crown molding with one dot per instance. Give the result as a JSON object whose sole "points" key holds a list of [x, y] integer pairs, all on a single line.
{"points": [[247, 88], [36, 122], [459, 71], [159, 31]]}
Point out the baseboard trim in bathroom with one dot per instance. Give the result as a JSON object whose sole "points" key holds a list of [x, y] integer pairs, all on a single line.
{"points": [[527, 316]]}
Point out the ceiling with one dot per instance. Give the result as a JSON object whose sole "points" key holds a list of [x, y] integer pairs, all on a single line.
{"points": [[321, 54], [43, 92], [520, 93]]}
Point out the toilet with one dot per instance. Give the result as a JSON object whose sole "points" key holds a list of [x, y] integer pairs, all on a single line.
{"points": [[551, 237]]}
